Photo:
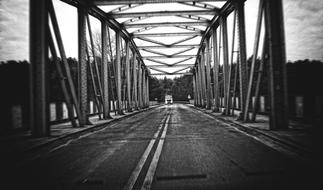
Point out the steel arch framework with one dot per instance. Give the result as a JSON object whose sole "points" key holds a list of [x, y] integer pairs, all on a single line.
{"points": [[124, 72]]}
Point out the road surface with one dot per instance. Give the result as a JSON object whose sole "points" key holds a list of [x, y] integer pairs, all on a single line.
{"points": [[168, 147]]}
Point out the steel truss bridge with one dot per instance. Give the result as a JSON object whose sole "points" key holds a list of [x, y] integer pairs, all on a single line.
{"points": [[133, 61]]}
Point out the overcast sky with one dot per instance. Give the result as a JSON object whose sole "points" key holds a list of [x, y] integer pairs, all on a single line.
{"points": [[303, 28]]}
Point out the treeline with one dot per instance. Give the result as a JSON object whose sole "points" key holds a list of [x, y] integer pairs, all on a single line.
{"points": [[180, 88], [303, 76]]}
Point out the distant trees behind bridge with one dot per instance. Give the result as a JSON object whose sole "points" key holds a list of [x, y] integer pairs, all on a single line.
{"points": [[304, 80]]}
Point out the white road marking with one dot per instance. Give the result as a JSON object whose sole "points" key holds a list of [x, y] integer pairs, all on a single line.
{"points": [[133, 178], [153, 165]]}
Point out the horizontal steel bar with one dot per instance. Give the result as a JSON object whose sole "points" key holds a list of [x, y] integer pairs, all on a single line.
{"points": [[182, 73], [118, 2], [159, 57], [168, 34], [163, 13], [161, 24], [171, 65], [174, 46]]}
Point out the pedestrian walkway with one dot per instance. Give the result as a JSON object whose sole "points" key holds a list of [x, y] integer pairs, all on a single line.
{"points": [[19, 143], [305, 138]]}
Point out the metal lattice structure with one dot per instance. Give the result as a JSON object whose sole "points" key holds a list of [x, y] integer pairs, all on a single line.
{"points": [[195, 42]]}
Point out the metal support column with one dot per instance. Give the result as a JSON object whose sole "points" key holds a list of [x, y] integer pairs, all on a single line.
{"points": [[129, 105], [145, 88], [254, 59], [105, 71], [39, 108], [243, 72], [147, 91], [215, 71], [208, 75], [82, 73], [118, 72], [203, 82], [198, 86], [226, 84], [277, 64], [135, 82], [194, 88], [139, 85]]}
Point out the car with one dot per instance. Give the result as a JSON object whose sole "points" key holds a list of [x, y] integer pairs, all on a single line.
{"points": [[168, 99]]}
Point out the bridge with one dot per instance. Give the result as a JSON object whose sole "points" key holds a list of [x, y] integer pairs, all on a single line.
{"points": [[221, 139]]}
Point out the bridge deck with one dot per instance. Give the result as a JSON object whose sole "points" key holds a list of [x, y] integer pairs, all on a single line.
{"points": [[167, 147]]}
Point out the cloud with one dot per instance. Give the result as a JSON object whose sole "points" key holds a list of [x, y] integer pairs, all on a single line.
{"points": [[14, 30], [304, 29]]}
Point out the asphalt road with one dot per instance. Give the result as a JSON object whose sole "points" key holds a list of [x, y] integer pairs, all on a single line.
{"points": [[168, 147]]}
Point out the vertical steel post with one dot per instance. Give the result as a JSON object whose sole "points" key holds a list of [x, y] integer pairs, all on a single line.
{"points": [[129, 105], [208, 75], [259, 77], [198, 86], [226, 85], [243, 73], [144, 88], [139, 85], [118, 72], [147, 89], [277, 64], [254, 59], [135, 81], [143, 78], [105, 71], [82, 73], [202, 63], [39, 108], [199, 82], [194, 88], [215, 71]]}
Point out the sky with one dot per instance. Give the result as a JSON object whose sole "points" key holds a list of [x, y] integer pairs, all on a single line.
{"points": [[303, 28]]}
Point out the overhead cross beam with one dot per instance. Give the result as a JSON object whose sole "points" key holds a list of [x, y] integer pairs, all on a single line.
{"points": [[161, 24], [174, 46], [193, 17], [124, 8], [163, 54], [162, 13], [201, 5], [168, 56], [181, 73], [168, 34], [188, 27], [172, 65], [118, 2], [166, 45], [164, 63]]}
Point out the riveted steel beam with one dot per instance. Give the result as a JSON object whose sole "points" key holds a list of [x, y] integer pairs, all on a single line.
{"points": [[162, 24], [174, 46], [162, 13], [105, 71], [118, 2], [169, 56], [168, 34], [181, 73], [276, 64], [167, 66], [39, 108], [200, 5]]}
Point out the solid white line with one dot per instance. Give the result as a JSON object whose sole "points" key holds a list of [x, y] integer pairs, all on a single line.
{"points": [[133, 178], [153, 165]]}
